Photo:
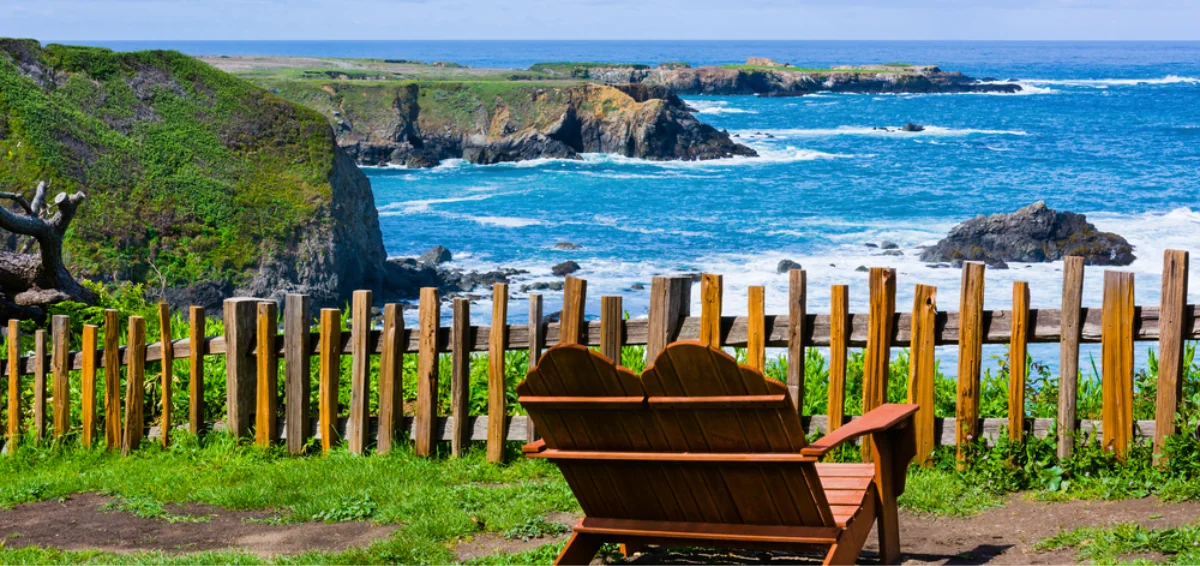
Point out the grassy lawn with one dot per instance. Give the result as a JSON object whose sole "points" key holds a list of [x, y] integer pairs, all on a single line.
{"points": [[1130, 543]]}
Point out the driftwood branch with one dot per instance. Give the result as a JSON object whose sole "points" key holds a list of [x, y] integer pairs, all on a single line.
{"points": [[40, 278]]}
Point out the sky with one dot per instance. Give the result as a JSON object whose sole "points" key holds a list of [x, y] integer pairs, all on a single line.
{"points": [[109, 20]]}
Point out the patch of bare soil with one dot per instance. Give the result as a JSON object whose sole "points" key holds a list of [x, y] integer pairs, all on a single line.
{"points": [[488, 544], [79, 523], [1003, 535]]}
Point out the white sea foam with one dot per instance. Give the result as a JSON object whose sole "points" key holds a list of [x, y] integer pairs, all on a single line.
{"points": [[716, 107], [425, 205], [936, 131], [503, 221], [1099, 83]]}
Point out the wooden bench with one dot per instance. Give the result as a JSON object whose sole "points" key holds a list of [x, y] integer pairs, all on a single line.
{"points": [[700, 451]]}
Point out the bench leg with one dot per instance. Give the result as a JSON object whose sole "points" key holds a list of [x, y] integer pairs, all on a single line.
{"points": [[630, 548], [887, 466], [580, 549]]}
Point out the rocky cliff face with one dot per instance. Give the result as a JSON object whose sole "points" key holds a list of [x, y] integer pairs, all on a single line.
{"points": [[785, 81], [421, 124], [198, 182], [1035, 233]]}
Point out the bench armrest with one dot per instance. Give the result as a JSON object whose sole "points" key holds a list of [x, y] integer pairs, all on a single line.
{"points": [[878, 419], [534, 447]]}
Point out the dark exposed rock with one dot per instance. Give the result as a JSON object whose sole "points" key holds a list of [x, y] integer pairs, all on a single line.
{"points": [[862, 268], [637, 287], [565, 268], [892, 253], [567, 246], [871, 245], [888, 245], [435, 255], [996, 264], [786, 265], [911, 127], [207, 294], [1032, 234], [543, 286]]}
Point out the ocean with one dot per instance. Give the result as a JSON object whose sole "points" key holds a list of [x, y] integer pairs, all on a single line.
{"points": [[1111, 130]]}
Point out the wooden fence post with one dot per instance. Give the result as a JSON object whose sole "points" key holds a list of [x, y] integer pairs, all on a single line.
{"points": [[1068, 353], [297, 370], [921, 365], [198, 346], [14, 385], [537, 339], [329, 367], [60, 328], [756, 328], [1016, 360], [39, 384], [112, 379], [1172, 317], [970, 352], [87, 386], [497, 340], [360, 379], [427, 372], [391, 378], [876, 360], [572, 326], [839, 319], [611, 328], [168, 369], [1116, 355], [797, 315], [135, 386], [240, 379], [266, 425], [460, 375], [711, 288], [670, 303]]}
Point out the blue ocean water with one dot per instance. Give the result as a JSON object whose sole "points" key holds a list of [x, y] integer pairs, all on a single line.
{"points": [[1108, 129]]}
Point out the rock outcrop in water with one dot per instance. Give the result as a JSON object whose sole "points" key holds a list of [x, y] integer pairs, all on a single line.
{"points": [[1032, 234], [420, 124], [788, 81]]}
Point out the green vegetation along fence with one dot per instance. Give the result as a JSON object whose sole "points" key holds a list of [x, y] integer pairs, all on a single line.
{"points": [[253, 349]]}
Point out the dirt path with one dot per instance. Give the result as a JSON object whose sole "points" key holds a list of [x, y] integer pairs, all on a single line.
{"points": [[78, 523]]}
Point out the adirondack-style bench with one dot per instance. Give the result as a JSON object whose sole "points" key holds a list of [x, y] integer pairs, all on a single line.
{"points": [[703, 452]]}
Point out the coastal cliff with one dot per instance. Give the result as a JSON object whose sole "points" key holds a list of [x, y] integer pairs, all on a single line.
{"points": [[198, 183], [421, 123], [781, 80]]}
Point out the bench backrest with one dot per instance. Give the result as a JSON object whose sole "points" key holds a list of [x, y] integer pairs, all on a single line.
{"points": [[692, 400]]}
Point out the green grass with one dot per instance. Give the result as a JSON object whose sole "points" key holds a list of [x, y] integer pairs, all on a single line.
{"points": [[1130, 543], [187, 168]]}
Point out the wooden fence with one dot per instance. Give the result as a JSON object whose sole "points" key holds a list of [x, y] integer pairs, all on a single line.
{"points": [[253, 348]]}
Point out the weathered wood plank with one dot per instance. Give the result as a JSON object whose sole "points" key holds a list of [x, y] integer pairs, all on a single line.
{"points": [[970, 352], [711, 291], [839, 317], [360, 379], [240, 378], [537, 338], [756, 335], [427, 371], [460, 374], [112, 379], [797, 315], [670, 305], [497, 407], [60, 328], [168, 369], [14, 385], [921, 369], [391, 379], [329, 369], [876, 359], [1172, 315], [1016, 361], [1070, 333], [196, 321], [266, 429], [87, 385], [39, 384], [297, 370], [135, 387], [1116, 353], [572, 317], [611, 328]]}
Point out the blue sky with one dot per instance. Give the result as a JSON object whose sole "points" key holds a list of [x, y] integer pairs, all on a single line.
{"points": [[600, 19]]}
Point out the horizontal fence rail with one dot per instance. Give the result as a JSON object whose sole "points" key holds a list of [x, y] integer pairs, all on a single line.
{"points": [[254, 349]]}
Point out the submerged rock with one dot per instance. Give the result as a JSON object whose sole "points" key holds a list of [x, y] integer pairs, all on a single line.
{"points": [[889, 245], [565, 268], [567, 246], [911, 127], [1035, 233]]}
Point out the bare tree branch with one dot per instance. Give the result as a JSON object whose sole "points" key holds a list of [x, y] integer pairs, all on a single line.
{"points": [[19, 199]]}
